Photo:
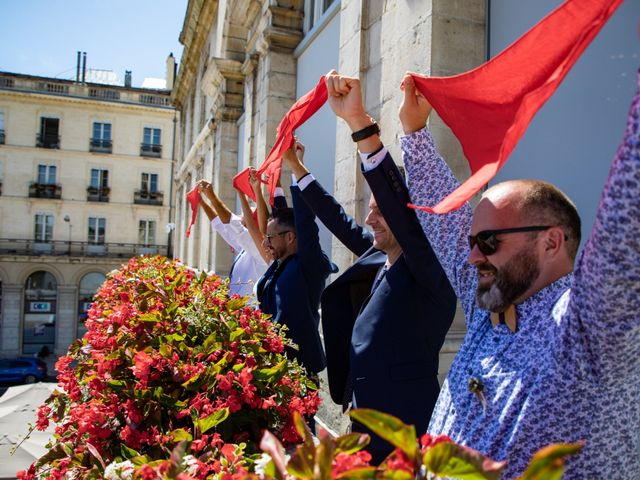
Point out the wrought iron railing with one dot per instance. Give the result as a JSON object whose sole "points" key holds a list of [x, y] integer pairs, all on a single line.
{"points": [[10, 246], [99, 145], [45, 190], [98, 194], [150, 150], [47, 141], [144, 197]]}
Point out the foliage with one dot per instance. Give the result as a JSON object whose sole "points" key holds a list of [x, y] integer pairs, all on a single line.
{"points": [[429, 457], [172, 378]]}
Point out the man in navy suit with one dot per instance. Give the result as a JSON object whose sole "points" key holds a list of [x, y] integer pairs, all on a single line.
{"points": [[290, 289], [385, 318]]}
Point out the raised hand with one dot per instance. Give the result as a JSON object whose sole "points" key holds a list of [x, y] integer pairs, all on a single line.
{"points": [[345, 99], [205, 187], [415, 109], [254, 179]]}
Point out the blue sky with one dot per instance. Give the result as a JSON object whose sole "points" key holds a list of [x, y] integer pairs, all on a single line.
{"points": [[41, 37]]}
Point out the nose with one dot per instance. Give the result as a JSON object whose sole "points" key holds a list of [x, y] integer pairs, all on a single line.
{"points": [[265, 243], [476, 257], [371, 218]]}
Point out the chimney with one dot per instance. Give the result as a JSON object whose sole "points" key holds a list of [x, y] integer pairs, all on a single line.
{"points": [[78, 67], [84, 66], [127, 78], [171, 71]]}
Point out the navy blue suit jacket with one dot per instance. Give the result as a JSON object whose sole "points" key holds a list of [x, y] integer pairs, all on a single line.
{"points": [[389, 341], [290, 290]]}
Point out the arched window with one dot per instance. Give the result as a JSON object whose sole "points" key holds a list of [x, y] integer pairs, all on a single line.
{"points": [[89, 285], [39, 326]]}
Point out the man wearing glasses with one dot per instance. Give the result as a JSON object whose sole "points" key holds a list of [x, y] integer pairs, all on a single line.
{"points": [[552, 354], [290, 289]]}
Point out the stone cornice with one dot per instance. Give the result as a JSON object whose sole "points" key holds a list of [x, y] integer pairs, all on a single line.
{"points": [[195, 30], [223, 81], [279, 29], [102, 104]]}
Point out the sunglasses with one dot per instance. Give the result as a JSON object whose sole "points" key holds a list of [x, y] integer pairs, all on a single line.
{"points": [[488, 243], [269, 237]]}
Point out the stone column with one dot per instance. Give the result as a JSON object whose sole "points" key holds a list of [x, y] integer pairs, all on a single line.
{"points": [[12, 300], [66, 318]]}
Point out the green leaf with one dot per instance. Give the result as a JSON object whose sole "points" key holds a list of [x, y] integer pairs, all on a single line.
{"points": [[236, 303], [324, 459], [391, 428], [149, 317], [193, 383], [351, 443], [301, 463], [271, 374], [548, 462], [236, 333], [207, 423], [398, 474], [180, 435], [358, 473], [451, 460], [128, 453], [302, 428]]}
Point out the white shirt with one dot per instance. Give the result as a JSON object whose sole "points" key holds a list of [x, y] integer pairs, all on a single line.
{"points": [[248, 265]]}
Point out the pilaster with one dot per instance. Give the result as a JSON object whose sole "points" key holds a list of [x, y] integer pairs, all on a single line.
{"points": [[66, 318], [12, 295]]}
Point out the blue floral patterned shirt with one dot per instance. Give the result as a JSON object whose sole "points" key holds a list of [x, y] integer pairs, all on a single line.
{"points": [[572, 370]]}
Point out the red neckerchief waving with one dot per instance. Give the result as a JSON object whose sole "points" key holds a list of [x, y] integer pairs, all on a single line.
{"points": [[489, 108]]}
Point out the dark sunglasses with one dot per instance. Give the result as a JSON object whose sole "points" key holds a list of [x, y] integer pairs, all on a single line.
{"points": [[269, 237], [488, 243]]}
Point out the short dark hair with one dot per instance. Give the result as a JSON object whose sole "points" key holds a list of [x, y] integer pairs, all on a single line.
{"points": [[284, 217], [547, 204]]}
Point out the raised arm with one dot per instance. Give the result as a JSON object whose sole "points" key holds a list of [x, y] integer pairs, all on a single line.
{"points": [[261, 205], [256, 236], [218, 205], [430, 179], [325, 207], [606, 291]]}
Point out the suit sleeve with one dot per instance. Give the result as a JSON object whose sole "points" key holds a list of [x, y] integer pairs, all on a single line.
{"points": [[392, 196], [332, 215], [314, 260]]}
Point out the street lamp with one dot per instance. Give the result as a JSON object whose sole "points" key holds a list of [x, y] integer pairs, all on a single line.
{"points": [[67, 219]]}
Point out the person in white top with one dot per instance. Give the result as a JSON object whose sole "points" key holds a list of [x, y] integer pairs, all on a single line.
{"points": [[241, 233]]}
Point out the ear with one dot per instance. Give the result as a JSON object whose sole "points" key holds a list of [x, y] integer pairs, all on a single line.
{"points": [[553, 242]]}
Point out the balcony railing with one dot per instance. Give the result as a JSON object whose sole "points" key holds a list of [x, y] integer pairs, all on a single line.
{"points": [[45, 190], [77, 249], [47, 141], [1, 137], [150, 150], [144, 197], [99, 145], [98, 194]]}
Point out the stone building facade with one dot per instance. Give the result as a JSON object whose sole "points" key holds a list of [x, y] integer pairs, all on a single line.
{"points": [[85, 175], [246, 61]]}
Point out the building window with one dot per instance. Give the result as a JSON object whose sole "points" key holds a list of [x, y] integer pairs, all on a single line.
{"points": [[45, 185], [98, 189], [1, 128], [313, 11], [151, 145], [147, 232], [39, 326], [149, 182], [46, 174], [101, 140], [148, 193], [49, 136], [97, 226], [44, 227]]}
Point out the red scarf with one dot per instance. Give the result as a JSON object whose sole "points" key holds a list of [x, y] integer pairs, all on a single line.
{"points": [[193, 197], [489, 108], [299, 113]]}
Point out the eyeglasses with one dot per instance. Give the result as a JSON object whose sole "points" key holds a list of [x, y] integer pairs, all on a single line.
{"points": [[269, 237], [488, 243]]}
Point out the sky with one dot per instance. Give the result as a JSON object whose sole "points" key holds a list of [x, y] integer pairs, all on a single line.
{"points": [[42, 37]]}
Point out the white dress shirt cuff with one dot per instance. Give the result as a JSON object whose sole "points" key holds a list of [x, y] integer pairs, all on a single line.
{"points": [[371, 162], [305, 181]]}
